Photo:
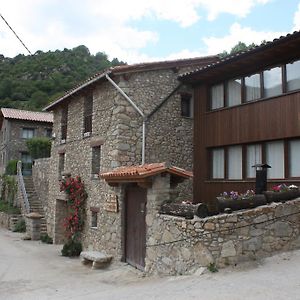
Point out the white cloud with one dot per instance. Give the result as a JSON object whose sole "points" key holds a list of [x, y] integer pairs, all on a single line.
{"points": [[297, 19], [238, 33]]}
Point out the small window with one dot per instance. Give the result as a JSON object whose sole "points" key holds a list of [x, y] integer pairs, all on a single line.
{"points": [[88, 113], [48, 133], [61, 163], [186, 105], [235, 156], [272, 82], [96, 158], [293, 76], [252, 87], [218, 171], [64, 123], [275, 158], [217, 96], [27, 133], [234, 92], [294, 158], [94, 221]]}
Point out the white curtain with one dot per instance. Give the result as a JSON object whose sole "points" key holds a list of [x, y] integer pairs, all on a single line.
{"points": [[234, 92], [272, 82], [294, 158], [275, 158], [235, 162], [218, 163], [217, 96], [253, 158], [252, 87]]}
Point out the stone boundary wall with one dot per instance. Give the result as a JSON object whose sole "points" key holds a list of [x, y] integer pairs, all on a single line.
{"points": [[8, 221], [179, 246]]}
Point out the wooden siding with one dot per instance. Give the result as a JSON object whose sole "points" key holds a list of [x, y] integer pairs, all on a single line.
{"points": [[269, 119]]}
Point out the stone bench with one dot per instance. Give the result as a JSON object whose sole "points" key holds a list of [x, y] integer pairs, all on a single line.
{"points": [[98, 259]]}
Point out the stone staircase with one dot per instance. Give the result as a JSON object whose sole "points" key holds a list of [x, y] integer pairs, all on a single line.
{"points": [[34, 202]]}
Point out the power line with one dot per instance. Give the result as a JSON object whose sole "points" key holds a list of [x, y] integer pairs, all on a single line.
{"points": [[15, 34]]}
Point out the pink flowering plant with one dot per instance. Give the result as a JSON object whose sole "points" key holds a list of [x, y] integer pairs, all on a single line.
{"points": [[237, 196], [284, 188]]}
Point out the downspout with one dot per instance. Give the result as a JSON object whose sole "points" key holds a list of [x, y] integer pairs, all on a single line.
{"points": [[138, 110]]}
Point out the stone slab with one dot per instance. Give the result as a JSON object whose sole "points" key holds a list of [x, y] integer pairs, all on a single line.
{"points": [[99, 259]]}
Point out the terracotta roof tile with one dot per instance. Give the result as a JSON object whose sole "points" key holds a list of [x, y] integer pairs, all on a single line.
{"points": [[143, 171], [11, 113]]}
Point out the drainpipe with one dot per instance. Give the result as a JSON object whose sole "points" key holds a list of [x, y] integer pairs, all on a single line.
{"points": [[138, 110]]}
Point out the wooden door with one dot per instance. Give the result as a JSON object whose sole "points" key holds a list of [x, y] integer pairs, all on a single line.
{"points": [[135, 230]]}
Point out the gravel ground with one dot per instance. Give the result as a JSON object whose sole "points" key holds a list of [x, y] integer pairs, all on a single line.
{"points": [[32, 270]]}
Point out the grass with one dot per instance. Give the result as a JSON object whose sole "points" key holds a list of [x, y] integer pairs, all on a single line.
{"points": [[8, 208]]}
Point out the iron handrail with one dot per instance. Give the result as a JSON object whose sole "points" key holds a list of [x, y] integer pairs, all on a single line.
{"points": [[22, 187]]}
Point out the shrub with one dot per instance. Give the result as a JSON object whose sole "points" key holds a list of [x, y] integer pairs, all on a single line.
{"points": [[9, 209], [20, 226], [39, 147], [11, 167], [45, 238], [71, 248]]}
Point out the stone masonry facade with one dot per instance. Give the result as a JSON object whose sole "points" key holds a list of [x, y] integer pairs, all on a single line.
{"points": [[117, 128]]}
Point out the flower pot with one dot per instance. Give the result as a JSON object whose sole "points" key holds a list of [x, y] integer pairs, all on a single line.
{"points": [[281, 196]]}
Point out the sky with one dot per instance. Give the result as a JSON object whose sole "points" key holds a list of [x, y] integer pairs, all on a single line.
{"points": [[137, 31]]}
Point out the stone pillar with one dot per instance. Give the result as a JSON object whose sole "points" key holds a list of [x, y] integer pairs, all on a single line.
{"points": [[34, 224]]}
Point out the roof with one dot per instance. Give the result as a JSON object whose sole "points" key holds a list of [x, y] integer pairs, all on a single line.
{"points": [[134, 68], [253, 57], [17, 114], [143, 171]]}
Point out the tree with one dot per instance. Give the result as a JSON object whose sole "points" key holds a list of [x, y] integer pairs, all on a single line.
{"points": [[39, 147], [240, 46]]}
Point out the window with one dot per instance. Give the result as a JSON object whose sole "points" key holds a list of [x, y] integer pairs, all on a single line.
{"points": [[186, 105], [94, 221], [61, 163], [234, 92], [48, 132], [293, 76], [88, 113], [64, 123], [275, 158], [272, 82], [27, 133], [218, 170], [217, 96], [294, 158], [234, 156], [96, 157], [254, 156], [252, 87], [26, 163]]}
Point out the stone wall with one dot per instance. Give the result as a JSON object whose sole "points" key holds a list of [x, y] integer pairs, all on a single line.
{"points": [[9, 221], [179, 246]]}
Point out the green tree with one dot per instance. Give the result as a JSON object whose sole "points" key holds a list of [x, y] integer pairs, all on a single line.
{"points": [[39, 147], [240, 46]]}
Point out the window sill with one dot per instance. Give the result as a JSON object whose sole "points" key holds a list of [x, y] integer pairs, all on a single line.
{"points": [[95, 177], [87, 134], [62, 141], [187, 118], [93, 228]]}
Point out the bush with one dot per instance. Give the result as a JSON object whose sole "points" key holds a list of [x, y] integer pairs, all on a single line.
{"points": [[9, 209], [11, 167], [71, 248], [20, 226], [39, 147], [45, 238]]}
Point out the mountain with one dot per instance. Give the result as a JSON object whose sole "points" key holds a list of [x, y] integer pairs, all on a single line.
{"points": [[32, 81]]}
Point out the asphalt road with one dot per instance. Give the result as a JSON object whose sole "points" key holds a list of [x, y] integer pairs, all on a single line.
{"points": [[32, 270]]}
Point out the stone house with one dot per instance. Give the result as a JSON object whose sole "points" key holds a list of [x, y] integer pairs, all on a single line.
{"points": [[16, 127], [124, 116]]}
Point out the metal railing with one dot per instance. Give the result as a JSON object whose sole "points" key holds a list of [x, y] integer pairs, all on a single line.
{"points": [[21, 183]]}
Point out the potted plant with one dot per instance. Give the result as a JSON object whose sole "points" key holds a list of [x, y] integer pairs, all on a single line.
{"points": [[282, 193]]}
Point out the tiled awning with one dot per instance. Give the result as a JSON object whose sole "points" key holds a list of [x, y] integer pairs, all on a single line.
{"points": [[142, 172]]}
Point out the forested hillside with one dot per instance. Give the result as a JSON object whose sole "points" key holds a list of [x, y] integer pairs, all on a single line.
{"points": [[31, 82]]}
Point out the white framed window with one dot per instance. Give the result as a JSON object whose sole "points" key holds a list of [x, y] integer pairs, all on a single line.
{"points": [[254, 156], [218, 159], [235, 157], [27, 133], [293, 76], [234, 92], [272, 82], [217, 96], [275, 158], [294, 158], [252, 87]]}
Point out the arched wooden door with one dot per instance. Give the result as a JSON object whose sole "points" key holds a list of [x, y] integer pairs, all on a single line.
{"points": [[135, 226]]}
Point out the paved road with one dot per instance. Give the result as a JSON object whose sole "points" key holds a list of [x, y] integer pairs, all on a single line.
{"points": [[31, 270]]}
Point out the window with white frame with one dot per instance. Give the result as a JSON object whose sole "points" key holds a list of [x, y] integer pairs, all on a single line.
{"points": [[294, 158], [275, 158], [27, 133], [234, 92], [234, 160], [293, 76], [254, 156], [272, 82], [217, 96], [218, 159]]}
